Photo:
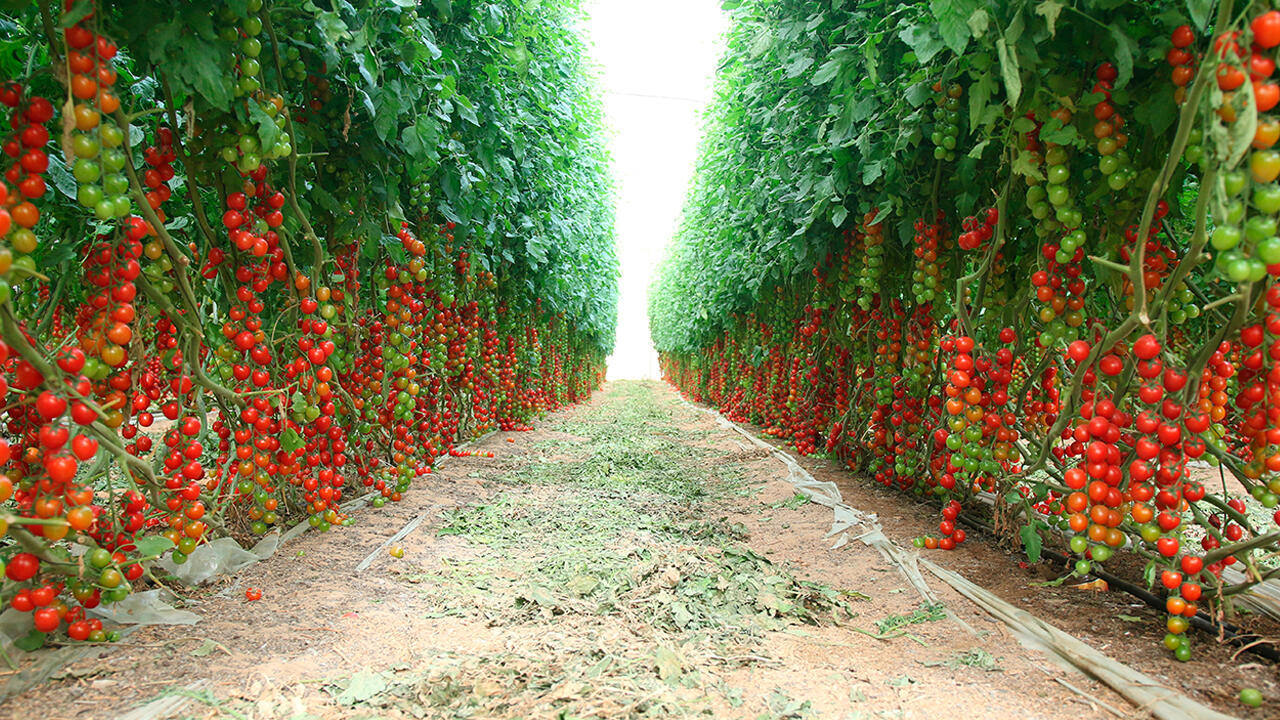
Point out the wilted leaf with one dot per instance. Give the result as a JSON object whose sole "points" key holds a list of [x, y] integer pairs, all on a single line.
{"points": [[362, 686], [668, 663]]}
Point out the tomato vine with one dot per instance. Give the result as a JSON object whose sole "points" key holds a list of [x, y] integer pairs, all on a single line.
{"points": [[1020, 254], [263, 261]]}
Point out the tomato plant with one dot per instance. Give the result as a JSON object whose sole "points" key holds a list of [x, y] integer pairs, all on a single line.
{"points": [[1019, 259], [262, 260]]}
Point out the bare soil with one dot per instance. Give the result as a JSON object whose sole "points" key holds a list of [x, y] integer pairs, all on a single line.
{"points": [[596, 569]]}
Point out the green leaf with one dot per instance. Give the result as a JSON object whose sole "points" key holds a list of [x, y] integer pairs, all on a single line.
{"points": [[1050, 10], [153, 545], [1200, 11], [797, 68], [838, 215], [923, 41], [1023, 125], [979, 98], [1054, 131], [1031, 542], [953, 21], [268, 133], [79, 11], [827, 71], [538, 595], [1023, 166], [332, 28], [32, 641], [978, 23], [290, 440], [919, 93], [61, 176], [1154, 111], [1009, 71], [1125, 48], [207, 647]]}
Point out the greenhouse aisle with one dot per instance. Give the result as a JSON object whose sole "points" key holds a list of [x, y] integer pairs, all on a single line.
{"points": [[630, 558]]}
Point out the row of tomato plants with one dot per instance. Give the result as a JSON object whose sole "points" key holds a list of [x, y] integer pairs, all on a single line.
{"points": [[1079, 348], [208, 333]]}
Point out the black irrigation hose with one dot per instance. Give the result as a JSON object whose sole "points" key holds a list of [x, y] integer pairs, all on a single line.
{"points": [[1229, 632]]}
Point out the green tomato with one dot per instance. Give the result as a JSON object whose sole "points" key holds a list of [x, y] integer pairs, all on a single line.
{"points": [[1266, 198], [86, 171], [1234, 182], [1238, 269], [1257, 269], [111, 135], [113, 160], [1225, 237], [98, 557], [104, 210], [85, 146], [90, 195], [110, 578], [115, 184], [1260, 227], [1251, 697], [1078, 544], [1268, 251], [1150, 532]]}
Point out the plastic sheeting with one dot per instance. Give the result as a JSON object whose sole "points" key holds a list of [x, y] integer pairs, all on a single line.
{"points": [[219, 557], [151, 607], [1140, 689]]}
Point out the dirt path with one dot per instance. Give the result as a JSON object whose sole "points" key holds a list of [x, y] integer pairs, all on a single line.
{"points": [[629, 559]]}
